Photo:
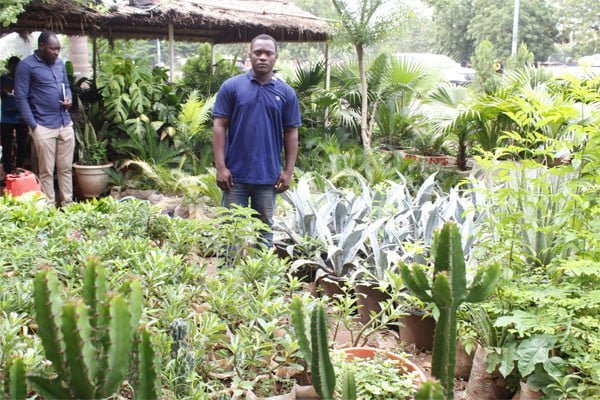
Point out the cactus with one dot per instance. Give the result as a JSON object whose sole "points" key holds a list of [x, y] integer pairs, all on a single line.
{"points": [[448, 290], [15, 383], [146, 388], [316, 352], [90, 342]]}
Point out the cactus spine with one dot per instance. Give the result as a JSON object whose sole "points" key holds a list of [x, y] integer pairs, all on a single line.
{"points": [[89, 342], [448, 291], [316, 352]]}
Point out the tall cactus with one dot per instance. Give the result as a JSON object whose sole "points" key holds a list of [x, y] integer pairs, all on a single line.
{"points": [[316, 352], [14, 380], [448, 290], [89, 342]]}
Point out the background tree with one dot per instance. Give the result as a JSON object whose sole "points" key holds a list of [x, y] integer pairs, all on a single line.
{"points": [[460, 25], [579, 26], [451, 19], [199, 73], [492, 20], [364, 24]]}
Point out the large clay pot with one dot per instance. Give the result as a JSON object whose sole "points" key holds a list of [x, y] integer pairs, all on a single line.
{"points": [[368, 298], [332, 285], [438, 159], [297, 393], [527, 393], [369, 353], [417, 329], [483, 385], [464, 362], [92, 180]]}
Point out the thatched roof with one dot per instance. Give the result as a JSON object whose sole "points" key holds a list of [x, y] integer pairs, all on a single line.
{"points": [[227, 21]]}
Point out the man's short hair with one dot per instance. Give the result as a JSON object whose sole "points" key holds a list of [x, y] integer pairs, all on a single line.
{"points": [[264, 36], [45, 37]]}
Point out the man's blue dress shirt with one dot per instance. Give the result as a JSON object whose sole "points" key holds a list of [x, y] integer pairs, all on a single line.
{"points": [[39, 91]]}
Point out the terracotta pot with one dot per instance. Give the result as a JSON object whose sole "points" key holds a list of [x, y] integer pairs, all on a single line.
{"points": [[417, 329], [297, 393], [369, 353], [332, 285], [368, 298], [438, 159], [527, 393], [464, 362], [483, 385]]}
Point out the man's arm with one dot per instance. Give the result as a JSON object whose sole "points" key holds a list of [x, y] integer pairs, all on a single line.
{"points": [[224, 178], [290, 146], [22, 85]]}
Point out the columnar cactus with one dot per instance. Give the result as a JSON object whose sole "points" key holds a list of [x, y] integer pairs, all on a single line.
{"points": [[90, 342], [316, 352], [448, 290]]}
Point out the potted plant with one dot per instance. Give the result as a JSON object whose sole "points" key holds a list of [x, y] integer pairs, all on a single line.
{"points": [[325, 373], [429, 147], [92, 167]]}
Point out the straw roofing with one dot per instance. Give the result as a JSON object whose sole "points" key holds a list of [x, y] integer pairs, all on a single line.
{"points": [[229, 21]]}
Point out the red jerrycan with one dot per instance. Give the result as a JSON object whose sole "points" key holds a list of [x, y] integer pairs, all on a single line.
{"points": [[22, 181]]}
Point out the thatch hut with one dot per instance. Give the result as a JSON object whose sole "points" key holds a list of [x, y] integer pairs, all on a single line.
{"points": [[211, 21]]}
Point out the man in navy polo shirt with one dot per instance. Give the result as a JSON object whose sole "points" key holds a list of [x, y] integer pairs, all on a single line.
{"points": [[43, 97], [255, 116]]}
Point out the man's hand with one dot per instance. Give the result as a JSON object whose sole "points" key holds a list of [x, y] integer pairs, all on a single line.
{"points": [[224, 179], [67, 103], [283, 182]]}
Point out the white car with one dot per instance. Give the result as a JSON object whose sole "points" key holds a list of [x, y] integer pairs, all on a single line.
{"points": [[450, 70]]}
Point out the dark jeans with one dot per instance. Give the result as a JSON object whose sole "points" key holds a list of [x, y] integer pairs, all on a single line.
{"points": [[9, 161], [261, 198]]}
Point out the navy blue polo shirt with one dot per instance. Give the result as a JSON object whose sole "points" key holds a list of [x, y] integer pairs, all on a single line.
{"points": [[257, 116], [39, 91]]}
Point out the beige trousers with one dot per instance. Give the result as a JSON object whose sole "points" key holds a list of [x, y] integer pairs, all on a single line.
{"points": [[55, 147]]}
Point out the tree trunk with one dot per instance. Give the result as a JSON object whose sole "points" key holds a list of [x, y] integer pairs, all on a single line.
{"points": [[78, 53], [365, 134]]}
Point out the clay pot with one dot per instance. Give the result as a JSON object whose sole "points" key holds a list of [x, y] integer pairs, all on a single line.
{"points": [[297, 393], [332, 285], [368, 298], [92, 180], [439, 159], [417, 329], [370, 352], [464, 362], [483, 385], [527, 393]]}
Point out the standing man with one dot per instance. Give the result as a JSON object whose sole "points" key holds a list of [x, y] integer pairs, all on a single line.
{"points": [[44, 98], [11, 125], [255, 117]]}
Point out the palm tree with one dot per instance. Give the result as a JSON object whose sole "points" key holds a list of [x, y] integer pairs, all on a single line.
{"points": [[362, 27], [450, 111]]}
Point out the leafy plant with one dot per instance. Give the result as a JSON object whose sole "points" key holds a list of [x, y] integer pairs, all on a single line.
{"points": [[92, 146], [380, 378]]}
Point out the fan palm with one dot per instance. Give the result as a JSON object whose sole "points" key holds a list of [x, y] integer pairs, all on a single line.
{"points": [[449, 111]]}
